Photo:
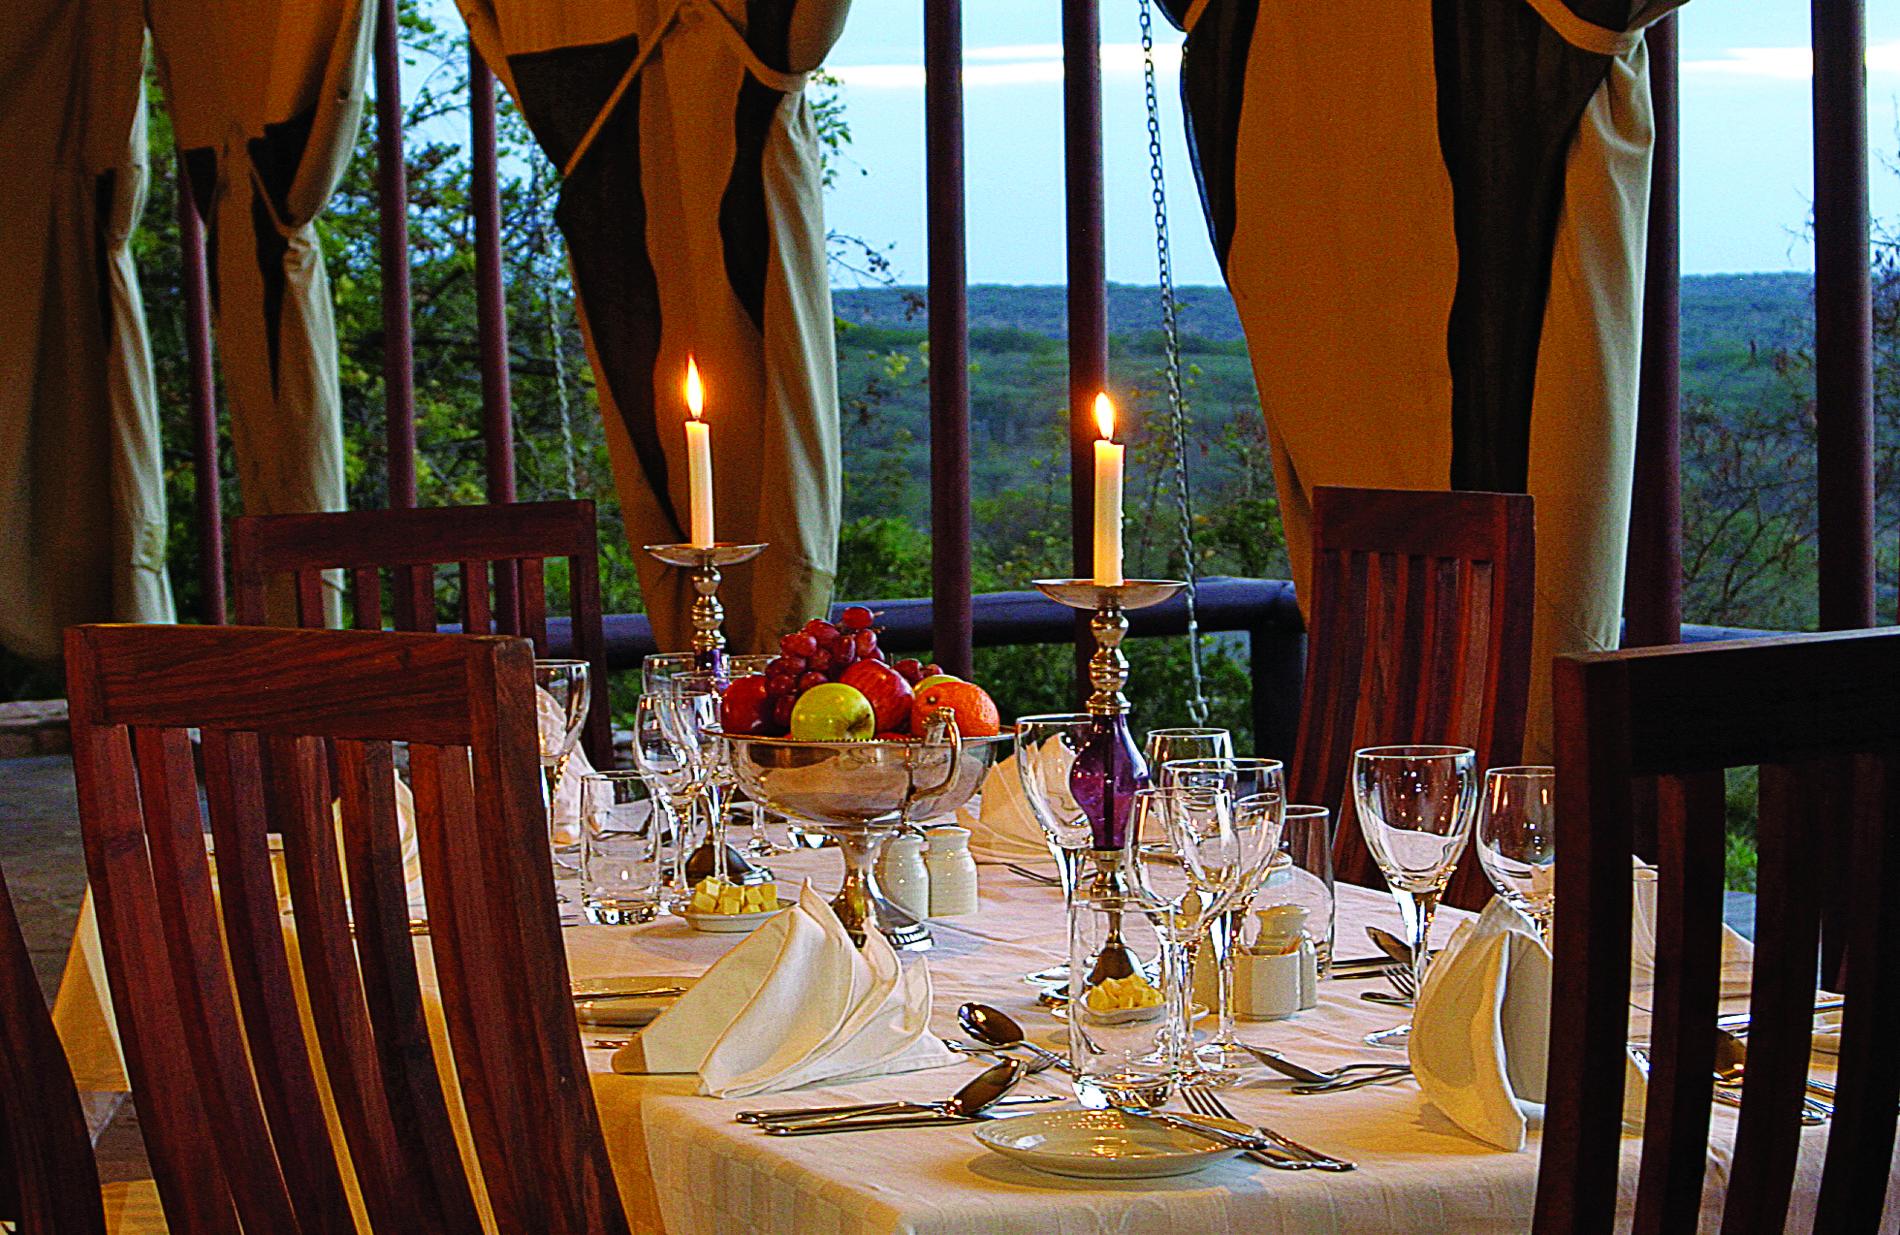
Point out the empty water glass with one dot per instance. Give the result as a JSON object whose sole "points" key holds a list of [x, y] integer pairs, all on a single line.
{"points": [[1517, 840], [622, 819], [1122, 1047]]}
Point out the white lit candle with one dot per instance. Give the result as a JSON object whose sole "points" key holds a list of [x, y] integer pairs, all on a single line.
{"points": [[699, 460], [1108, 497]]}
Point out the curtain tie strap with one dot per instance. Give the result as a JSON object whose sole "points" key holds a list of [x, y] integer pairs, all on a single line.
{"points": [[765, 74], [1585, 35]]}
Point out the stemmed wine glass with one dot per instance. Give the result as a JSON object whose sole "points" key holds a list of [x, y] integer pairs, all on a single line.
{"points": [[1046, 750], [1186, 879], [561, 690], [1517, 840], [667, 766], [1165, 746], [760, 845], [1257, 789], [1416, 805], [692, 717]]}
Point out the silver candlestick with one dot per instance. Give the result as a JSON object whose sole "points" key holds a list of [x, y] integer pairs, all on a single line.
{"points": [[709, 616]]}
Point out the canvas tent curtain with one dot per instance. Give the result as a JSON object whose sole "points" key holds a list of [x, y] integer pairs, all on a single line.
{"points": [[266, 97], [1431, 215], [691, 209], [81, 488]]}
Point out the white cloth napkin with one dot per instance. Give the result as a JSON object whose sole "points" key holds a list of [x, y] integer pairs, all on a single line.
{"points": [[795, 1003], [405, 832], [1003, 828], [1738, 954], [1480, 1032]]}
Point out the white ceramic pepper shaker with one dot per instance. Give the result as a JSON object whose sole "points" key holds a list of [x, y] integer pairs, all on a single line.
{"points": [[952, 872], [902, 875]]}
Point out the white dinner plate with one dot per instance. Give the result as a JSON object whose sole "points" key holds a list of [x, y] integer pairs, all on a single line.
{"points": [[731, 923], [624, 1003], [1103, 1145]]}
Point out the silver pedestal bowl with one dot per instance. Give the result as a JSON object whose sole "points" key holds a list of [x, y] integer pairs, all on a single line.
{"points": [[862, 793]]}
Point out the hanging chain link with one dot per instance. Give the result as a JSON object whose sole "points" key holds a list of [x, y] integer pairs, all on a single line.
{"points": [[1171, 353]]}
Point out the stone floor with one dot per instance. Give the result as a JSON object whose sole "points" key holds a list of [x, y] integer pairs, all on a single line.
{"points": [[44, 865]]}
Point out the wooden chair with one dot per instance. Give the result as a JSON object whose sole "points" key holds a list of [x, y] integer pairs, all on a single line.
{"points": [[504, 546], [1419, 632], [1820, 714], [49, 1183], [219, 1055]]}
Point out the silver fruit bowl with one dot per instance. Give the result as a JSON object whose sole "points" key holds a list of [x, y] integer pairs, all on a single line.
{"points": [[861, 793]]}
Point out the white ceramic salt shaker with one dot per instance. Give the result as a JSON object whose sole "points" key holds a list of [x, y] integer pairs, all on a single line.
{"points": [[1282, 967], [952, 872], [902, 875]]}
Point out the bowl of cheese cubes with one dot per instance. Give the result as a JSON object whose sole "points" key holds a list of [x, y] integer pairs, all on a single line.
{"points": [[731, 908]]}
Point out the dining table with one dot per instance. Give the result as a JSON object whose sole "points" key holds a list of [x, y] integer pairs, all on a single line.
{"points": [[685, 1166]]}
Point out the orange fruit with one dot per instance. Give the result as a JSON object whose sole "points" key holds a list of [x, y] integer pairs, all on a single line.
{"points": [[975, 711]]}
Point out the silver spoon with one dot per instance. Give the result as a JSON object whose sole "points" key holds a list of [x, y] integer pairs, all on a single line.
{"points": [[993, 1027], [965, 1105]]}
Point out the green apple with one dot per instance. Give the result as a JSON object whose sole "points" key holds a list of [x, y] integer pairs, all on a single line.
{"points": [[833, 712], [932, 680]]}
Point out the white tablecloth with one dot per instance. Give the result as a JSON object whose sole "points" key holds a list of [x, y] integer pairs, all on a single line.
{"points": [[686, 1168]]}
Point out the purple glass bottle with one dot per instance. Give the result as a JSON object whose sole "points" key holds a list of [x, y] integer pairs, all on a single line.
{"points": [[1104, 779]]}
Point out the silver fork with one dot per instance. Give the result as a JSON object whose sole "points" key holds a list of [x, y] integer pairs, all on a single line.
{"points": [[1207, 1102]]}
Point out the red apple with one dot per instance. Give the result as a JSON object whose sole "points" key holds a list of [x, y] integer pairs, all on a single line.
{"points": [[885, 687], [745, 707]]}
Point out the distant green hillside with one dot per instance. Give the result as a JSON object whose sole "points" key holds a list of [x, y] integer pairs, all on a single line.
{"points": [[1718, 311]]}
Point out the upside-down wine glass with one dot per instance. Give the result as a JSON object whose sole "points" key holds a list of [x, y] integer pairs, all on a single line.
{"points": [[1517, 840], [1046, 751], [1186, 879], [1260, 784], [1416, 805]]}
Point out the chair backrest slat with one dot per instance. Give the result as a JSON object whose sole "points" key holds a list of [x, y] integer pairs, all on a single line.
{"points": [[49, 1182], [234, 775], [227, 1070], [497, 551], [1420, 630], [1820, 716]]}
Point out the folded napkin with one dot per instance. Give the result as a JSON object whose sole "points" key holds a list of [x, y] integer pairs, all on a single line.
{"points": [[1480, 1031], [795, 1003], [1738, 954], [405, 832], [1004, 828]]}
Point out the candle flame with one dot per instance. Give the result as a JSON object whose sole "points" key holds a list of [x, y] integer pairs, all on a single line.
{"points": [[1105, 417], [695, 393]]}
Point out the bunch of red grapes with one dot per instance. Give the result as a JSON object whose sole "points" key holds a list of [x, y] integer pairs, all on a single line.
{"points": [[820, 652]]}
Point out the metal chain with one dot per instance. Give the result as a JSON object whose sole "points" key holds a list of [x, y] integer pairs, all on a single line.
{"points": [[1171, 352]]}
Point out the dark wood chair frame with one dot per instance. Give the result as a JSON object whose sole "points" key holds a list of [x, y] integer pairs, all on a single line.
{"points": [[505, 545], [214, 1041], [1419, 633], [49, 1183], [1820, 715]]}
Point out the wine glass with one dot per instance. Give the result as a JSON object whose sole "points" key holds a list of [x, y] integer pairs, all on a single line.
{"points": [[1165, 746], [1244, 779], [1517, 840], [561, 691], [655, 670], [760, 844], [1046, 750], [668, 767], [1186, 880], [1416, 805], [692, 717]]}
